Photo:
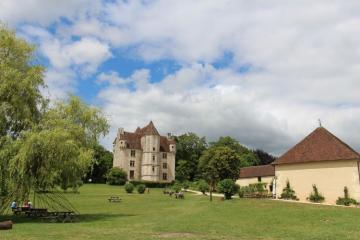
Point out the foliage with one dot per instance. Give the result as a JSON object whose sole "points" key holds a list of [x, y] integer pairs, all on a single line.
{"points": [[228, 188], [116, 176], [263, 157], [149, 184], [253, 190], [186, 184], [21, 79], [288, 193], [189, 148], [141, 188], [183, 170], [203, 186], [21, 102], [346, 200], [103, 161], [218, 163], [247, 157], [176, 187], [129, 187], [315, 196]]}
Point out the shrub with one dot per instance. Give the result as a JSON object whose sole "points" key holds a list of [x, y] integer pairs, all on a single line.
{"points": [[242, 192], [116, 176], [141, 188], [186, 184], [315, 196], [176, 187], [288, 192], [203, 186], [346, 200], [228, 188], [149, 184], [129, 187]]}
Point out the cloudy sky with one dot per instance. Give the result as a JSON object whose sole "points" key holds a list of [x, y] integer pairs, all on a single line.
{"points": [[263, 72]]}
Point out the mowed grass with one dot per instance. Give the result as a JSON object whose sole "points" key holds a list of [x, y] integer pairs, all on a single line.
{"points": [[157, 216]]}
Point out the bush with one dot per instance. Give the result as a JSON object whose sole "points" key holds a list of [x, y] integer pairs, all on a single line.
{"points": [[288, 192], [254, 190], [315, 196], [152, 184], [203, 186], [346, 200], [141, 188], [186, 184], [129, 187], [116, 176], [228, 188], [176, 187]]}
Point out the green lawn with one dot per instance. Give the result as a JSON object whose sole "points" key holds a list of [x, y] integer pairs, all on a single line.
{"points": [[157, 216]]}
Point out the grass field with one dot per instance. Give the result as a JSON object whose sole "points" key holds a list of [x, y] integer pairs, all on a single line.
{"points": [[157, 216]]}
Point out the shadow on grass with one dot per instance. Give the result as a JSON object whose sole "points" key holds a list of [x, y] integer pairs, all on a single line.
{"points": [[82, 218]]}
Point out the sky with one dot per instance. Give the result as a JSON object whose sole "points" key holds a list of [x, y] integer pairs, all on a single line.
{"points": [[262, 72]]}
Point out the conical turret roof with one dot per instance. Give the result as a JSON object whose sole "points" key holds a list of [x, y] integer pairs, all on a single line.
{"points": [[150, 129]]}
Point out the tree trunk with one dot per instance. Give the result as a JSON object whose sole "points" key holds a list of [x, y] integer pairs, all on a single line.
{"points": [[7, 225], [211, 189]]}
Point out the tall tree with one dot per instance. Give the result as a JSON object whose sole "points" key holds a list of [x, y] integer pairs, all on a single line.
{"points": [[59, 150], [218, 163], [103, 161], [264, 157], [21, 102], [189, 148], [247, 157]]}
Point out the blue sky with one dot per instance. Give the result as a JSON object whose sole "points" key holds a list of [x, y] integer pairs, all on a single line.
{"points": [[261, 72]]}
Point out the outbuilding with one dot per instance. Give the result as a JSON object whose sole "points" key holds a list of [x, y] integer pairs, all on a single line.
{"points": [[321, 159]]}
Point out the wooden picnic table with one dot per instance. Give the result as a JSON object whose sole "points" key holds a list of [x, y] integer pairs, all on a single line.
{"points": [[114, 199]]}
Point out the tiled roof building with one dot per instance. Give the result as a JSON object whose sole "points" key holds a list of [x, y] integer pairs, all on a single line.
{"points": [[145, 155]]}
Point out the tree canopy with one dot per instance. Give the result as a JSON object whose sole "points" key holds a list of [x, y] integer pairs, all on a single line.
{"points": [[189, 148], [41, 146], [218, 163]]}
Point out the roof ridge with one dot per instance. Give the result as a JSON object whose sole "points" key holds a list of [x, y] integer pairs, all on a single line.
{"points": [[319, 145]]}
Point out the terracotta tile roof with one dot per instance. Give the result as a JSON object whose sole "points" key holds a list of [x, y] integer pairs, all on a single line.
{"points": [[150, 129], [134, 139], [320, 145], [257, 171]]}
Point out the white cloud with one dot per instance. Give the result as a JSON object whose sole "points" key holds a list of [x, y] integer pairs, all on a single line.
{"points": [[303, 56]]}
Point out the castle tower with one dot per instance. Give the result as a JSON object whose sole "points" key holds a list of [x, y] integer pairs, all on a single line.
{"points": [[150, 143]]}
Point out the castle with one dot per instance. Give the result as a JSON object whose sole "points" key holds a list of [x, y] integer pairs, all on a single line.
{"points": [[145, 155]]}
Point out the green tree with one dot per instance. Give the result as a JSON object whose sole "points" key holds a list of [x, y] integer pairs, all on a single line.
{"points": [[247, 157], [228, 188], [103, 161], [21, 102], [189, 148], [203, 186], [218, 163], [116, 176], [59, 150]]}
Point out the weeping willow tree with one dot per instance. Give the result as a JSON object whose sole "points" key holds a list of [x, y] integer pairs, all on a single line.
{"points": [[58, 151], [42, 147]]}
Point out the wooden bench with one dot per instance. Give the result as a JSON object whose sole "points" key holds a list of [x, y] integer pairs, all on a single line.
{"points": [[114, 199]]}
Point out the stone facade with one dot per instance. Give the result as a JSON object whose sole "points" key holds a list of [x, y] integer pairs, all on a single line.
{"points": [[145, 155]]}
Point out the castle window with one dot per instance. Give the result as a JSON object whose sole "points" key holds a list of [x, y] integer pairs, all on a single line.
{"points": [[153, 148], [164, 155], [153, 158], [153, 169], [131, 174], [132, 163], [132, 154], [164, 165], [164, 176]]}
